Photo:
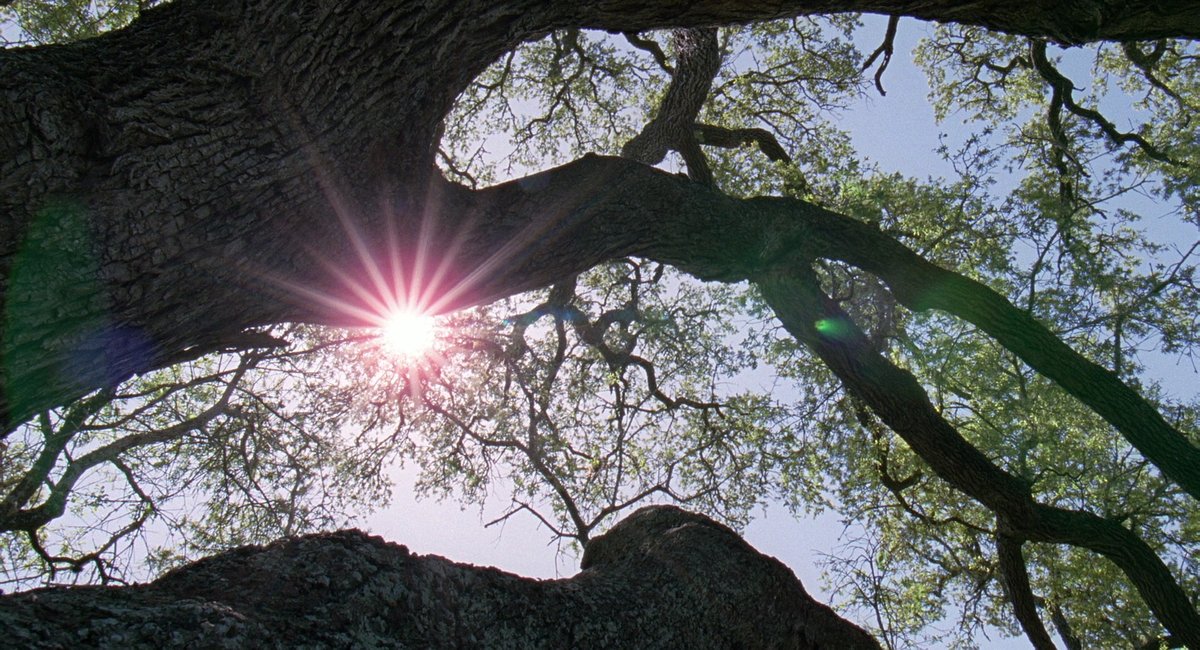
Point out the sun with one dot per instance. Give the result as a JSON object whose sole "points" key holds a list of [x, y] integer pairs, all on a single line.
{"points": [[407, 334]]}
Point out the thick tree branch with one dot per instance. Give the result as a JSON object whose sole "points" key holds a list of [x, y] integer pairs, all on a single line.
{"points": [[530, 233], [719, 136], [224, 190], [920, 285], [1020, 594], [698, 58], [899, 400], [1071, 23], [1070, 641], [660, 579]]}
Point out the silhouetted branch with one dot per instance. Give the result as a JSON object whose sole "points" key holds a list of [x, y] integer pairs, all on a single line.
{"points": [[1062, 93], [1016, 584], [886, 48]]}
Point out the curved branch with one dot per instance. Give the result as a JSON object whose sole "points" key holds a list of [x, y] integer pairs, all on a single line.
{"points": [[719, 136], [698, 59], [651, 46], [1070, 23], [886, 48], [792, 291], [288, 153], [1145, 62], [566, 220], [55, 442], [920, 285], [1063, 91]]}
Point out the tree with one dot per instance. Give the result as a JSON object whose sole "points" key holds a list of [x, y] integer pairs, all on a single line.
{"points": [[661, 578], [163, 186]]}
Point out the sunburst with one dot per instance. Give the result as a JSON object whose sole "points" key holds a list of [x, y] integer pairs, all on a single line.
{"points": [[407, 333], [403, 282]]}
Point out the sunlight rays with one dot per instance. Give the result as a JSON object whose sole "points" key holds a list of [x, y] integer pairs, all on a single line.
{"points": [[395, 282], [408, 334]]}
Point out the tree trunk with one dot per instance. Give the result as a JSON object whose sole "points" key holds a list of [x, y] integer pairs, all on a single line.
{"points": [[226, 164], [663, 578], [164, 187]]}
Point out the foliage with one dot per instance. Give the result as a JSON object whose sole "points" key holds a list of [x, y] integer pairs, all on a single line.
{"points": [[57, 21], [634, 382], [177, 464]]}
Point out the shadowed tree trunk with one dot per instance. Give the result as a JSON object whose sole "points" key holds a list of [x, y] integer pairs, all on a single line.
{"points": [[164, 187], [222, 165], [663, 578]]}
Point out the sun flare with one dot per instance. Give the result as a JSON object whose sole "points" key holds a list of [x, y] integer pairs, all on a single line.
{"points": [[407, 333]]}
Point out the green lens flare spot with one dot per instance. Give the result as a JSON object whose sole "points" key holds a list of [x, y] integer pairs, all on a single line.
{"points": [[833, 328]]}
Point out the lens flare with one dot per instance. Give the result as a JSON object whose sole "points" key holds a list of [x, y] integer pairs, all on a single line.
{"points": [[407, 333]]}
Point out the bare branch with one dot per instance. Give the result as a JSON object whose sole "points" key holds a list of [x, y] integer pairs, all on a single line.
{"points": [[886, 48], [1062, 90]]}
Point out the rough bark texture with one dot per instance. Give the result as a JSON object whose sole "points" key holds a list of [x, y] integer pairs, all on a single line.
{"points": [[221, 162], [663, 578], [211, 148]]}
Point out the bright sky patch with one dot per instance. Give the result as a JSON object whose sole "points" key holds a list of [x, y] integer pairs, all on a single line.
{"points": [[407, 333]]}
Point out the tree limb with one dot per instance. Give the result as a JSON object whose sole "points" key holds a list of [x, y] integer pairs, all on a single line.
{"points": [[651, 46], [698, 59], [1145, 62], [886, 48], [1063, 93], [921, 285], [1063, 626], [294, 163], [719, 136], [898, 399], [1020, 595]]}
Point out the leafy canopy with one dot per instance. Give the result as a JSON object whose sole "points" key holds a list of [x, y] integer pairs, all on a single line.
{"points": [[1072, 192]]}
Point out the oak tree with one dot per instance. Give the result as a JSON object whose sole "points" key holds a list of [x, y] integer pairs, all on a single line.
{"points": [[193, 183]]}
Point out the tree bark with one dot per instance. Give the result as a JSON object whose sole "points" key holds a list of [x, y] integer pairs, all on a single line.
{"points": [[227, 164], [663, 578], [164, 187]]}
